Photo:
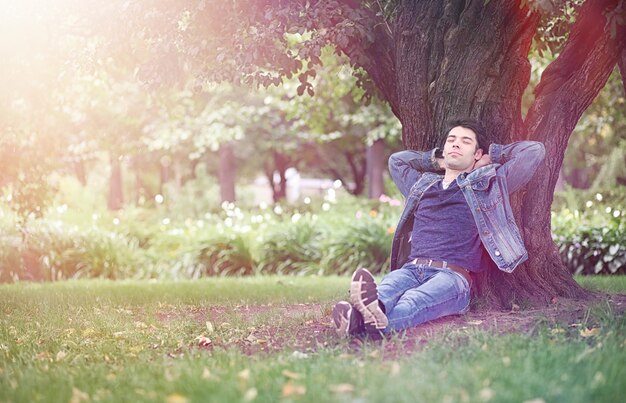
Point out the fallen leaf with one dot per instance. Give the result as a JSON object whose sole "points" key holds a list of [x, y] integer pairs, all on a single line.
{"points": [[395, 368], [374, 354], [299, 355], [176, 398], [78, 396], [209, 327], [206, 374], [244, 375], [111, 377], [506, 361], [88, 332], [474, 322], [590, 332], [486, 394], [60, 355], [514, 308], [290, 390], [535, 400], [203, 341], [250, 394], [341, 388], [291, 375]]}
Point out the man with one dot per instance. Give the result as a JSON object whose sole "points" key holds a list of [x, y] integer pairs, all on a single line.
{"points": [[452, 225]]}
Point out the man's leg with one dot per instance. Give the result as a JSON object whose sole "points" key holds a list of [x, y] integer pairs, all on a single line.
{"points": [[443, 293], [394, 284]]}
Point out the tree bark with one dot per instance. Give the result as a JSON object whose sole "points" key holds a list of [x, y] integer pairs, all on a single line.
{"points": [[116, 193], [375, 168], [227, 172], [79, 170]]}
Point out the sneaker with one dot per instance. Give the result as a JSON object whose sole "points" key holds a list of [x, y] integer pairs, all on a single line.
{"points": [[364, 297], [347, 321]]}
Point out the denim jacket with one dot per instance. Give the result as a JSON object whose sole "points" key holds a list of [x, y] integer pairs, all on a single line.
{"points": [[486, 191]]}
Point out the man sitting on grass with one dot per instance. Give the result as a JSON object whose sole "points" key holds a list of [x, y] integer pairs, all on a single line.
{"points": [[453, 225]]}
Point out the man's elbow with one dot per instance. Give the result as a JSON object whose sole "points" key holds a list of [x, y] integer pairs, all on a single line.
{"points": [[539, 151]]}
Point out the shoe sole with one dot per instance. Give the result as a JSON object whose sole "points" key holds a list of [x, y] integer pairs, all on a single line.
{"points": [[341, 322], [368, 306]]}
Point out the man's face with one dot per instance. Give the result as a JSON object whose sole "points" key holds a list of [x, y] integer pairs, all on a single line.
{"points": [[461, 151]]}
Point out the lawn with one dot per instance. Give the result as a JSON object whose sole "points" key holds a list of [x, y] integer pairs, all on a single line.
{"points": [[269, 339]]}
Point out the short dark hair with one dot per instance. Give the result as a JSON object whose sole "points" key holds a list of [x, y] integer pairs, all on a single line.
{"points": [[468, 123]]}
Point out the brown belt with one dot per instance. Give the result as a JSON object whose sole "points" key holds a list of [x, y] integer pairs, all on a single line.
{"points": [[440, 264]]}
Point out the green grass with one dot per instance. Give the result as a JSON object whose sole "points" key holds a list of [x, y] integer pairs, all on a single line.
{"points": [[136, 341]]}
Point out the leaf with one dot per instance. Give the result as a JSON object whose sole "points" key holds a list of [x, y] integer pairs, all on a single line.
{"points": [[291, 375], [176, 398], [250, 394], [203, 341], [209, 327], [61, 355], [290, 390], [244, 375], [474, 322], [78, 396], [590, 332], [341, 388], [486, 394], [206, 374]]}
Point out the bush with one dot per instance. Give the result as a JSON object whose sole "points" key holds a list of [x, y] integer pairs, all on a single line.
{"points": [[53, 251], [364, 243], [293, 247], [592, 239]]}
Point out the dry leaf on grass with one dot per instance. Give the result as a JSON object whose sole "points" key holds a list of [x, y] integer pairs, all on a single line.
{"points": [[78, 396], [291, 375], [203, 341], [290, 390], [590, 332], [342, 388], [176, 398], [250, 394]]}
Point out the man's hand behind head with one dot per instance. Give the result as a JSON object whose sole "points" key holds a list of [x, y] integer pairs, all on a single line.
{"points": [[484, 160]]}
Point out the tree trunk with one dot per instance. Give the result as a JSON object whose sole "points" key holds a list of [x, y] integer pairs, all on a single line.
{"points": [[279, 165], [116, 193], [375, 168], [165, 164], [79, 169], [455, 59], [227, 173]]}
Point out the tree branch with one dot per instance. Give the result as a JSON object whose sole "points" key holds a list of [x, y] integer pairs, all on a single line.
{"points": [[571, 82]]}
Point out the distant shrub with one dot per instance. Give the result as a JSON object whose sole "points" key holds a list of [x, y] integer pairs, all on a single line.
{"points": [[592, 239], [292, 247], [52, 251]]}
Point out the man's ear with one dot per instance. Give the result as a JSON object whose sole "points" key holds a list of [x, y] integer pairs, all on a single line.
{"points": [[478, 154]]}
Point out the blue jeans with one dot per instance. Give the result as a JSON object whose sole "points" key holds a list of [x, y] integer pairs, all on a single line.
{"points": [[415, 294]]}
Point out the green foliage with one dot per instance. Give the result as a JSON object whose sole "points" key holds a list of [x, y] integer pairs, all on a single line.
{"points": [[364, 242], [54, 251], [592, 236], [293, 247]]}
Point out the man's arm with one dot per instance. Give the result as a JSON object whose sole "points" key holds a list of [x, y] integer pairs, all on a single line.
{"points": [[519, 161], [406, 167]]}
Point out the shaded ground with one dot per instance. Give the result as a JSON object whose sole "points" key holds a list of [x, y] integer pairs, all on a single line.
{"points": [[304, 328]]}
